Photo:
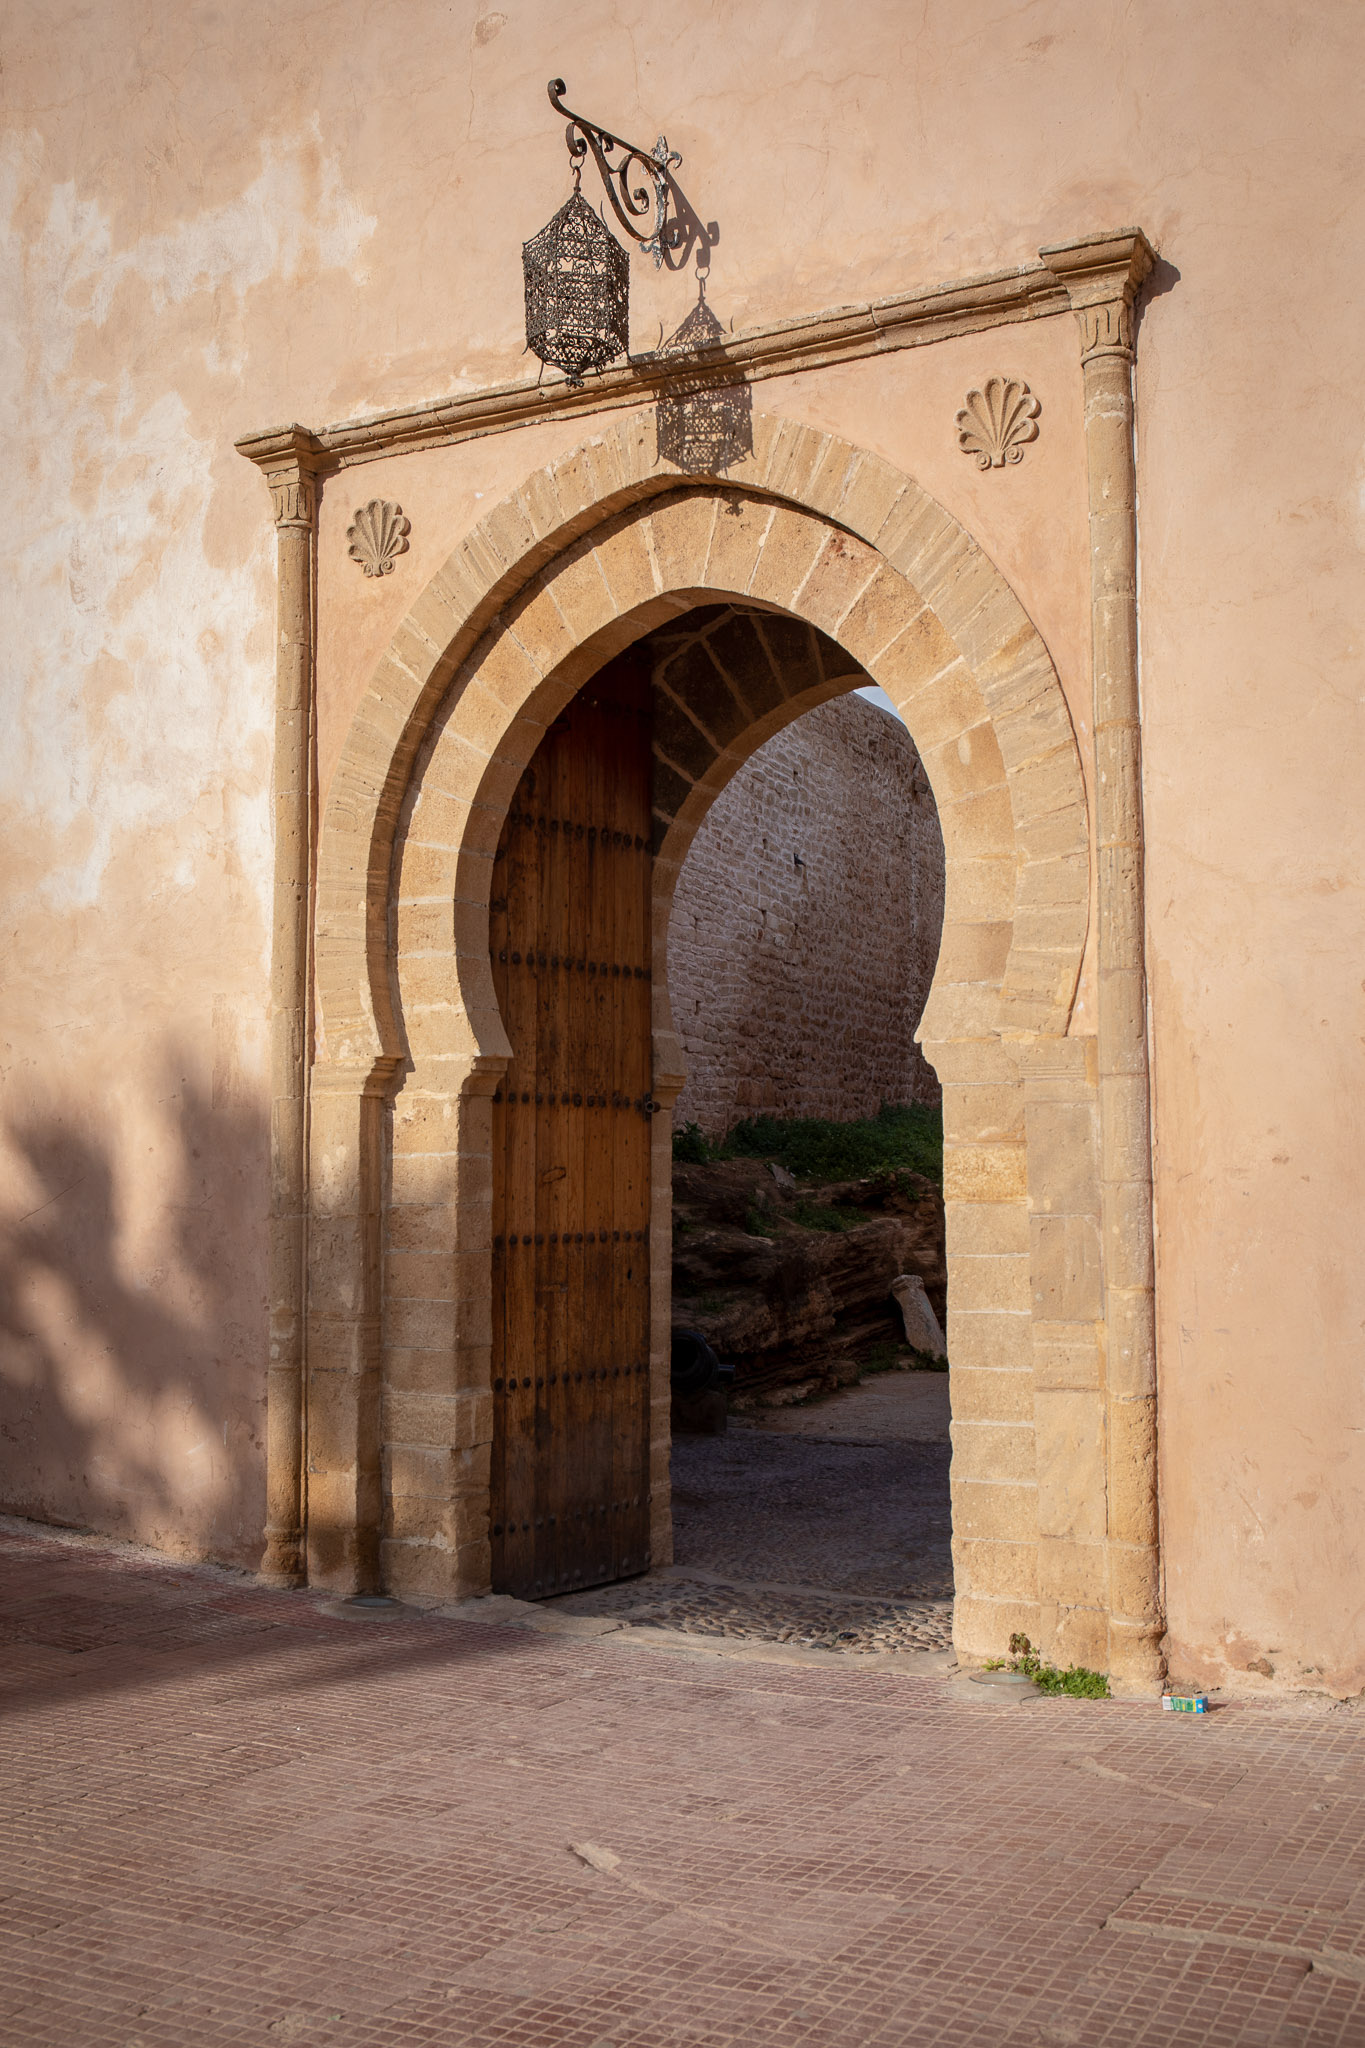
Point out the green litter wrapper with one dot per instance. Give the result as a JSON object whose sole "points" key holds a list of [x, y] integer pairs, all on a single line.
{"points": [[1185, 1702]]}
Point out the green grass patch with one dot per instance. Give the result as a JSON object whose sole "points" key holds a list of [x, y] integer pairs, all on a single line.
{"points": [[691, 1147], [815, 1148], [1076, 1681], [758, 1222]]}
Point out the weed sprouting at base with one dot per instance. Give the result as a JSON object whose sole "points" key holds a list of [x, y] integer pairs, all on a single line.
{"points": [[1076, 1682]]}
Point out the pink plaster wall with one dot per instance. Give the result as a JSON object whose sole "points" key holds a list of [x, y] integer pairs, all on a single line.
{"points": [[222, 219]]}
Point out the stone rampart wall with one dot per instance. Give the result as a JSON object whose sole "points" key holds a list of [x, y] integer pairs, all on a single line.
{"points": [[806, 927]]}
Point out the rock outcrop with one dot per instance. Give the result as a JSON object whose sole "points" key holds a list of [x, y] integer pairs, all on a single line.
{"points": [[792, 1280]]}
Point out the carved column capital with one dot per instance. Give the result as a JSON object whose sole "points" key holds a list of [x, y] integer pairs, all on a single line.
{"points": [[1101, 276], [289, 458], [293, 493]]}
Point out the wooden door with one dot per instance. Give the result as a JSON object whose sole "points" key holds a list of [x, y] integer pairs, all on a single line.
{"points": [[570, 941]]}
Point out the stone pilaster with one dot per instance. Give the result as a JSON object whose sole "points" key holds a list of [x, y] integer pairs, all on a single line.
{"points": [[289, 460], [348, 1107], [1102, 277], [1059, 1077]]}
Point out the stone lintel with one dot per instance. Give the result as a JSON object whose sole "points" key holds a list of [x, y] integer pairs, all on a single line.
{"points": [[811, 341]]}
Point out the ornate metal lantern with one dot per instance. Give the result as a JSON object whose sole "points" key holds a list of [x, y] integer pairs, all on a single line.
{"points": [[577, 273], [577, 292]]}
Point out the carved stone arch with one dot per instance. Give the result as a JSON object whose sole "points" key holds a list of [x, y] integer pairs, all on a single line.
{"points": [[1014, 833], [590, 555], [526, 547]]}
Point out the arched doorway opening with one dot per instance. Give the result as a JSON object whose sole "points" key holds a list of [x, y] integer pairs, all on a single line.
{"points": [[588, 559], [571, 955]]}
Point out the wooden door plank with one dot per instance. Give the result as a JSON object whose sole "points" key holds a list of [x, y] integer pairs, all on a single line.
{"points": [[597, 1333], [631, 1150], [520, 1015], [555, 1164], [498, 950]]}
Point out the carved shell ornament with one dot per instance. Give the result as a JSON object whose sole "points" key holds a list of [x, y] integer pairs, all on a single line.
{"points": [[998, 422], [378, 536]]}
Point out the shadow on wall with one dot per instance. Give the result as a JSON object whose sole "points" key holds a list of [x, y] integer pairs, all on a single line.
{"points": [[705, 424], [133, 1325]]}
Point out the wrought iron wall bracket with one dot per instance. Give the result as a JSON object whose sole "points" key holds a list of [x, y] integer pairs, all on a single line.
{"points": [[641, 211], [577, 275]]}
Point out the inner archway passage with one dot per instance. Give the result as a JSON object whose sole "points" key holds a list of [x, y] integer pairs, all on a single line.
{"points": [[796, 991], [809, 1477]]}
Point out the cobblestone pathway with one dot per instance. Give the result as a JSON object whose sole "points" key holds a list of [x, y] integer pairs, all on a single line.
{"points": [[788, 1538], [781, 1614], [237, 1818]]}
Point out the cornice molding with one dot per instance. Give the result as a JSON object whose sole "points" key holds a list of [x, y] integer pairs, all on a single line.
{"points": [[1101, 276], [290, 459], [1088, 277], [1036, 291]]}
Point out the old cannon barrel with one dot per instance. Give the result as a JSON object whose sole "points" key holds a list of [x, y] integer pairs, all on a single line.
{"points": [[695, 1367]]}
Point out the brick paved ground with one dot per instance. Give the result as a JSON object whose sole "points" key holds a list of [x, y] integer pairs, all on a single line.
{"points": [[233, 1817]]}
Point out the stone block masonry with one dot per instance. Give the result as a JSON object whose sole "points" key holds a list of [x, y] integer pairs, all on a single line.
{"points": [[806, 927]]}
